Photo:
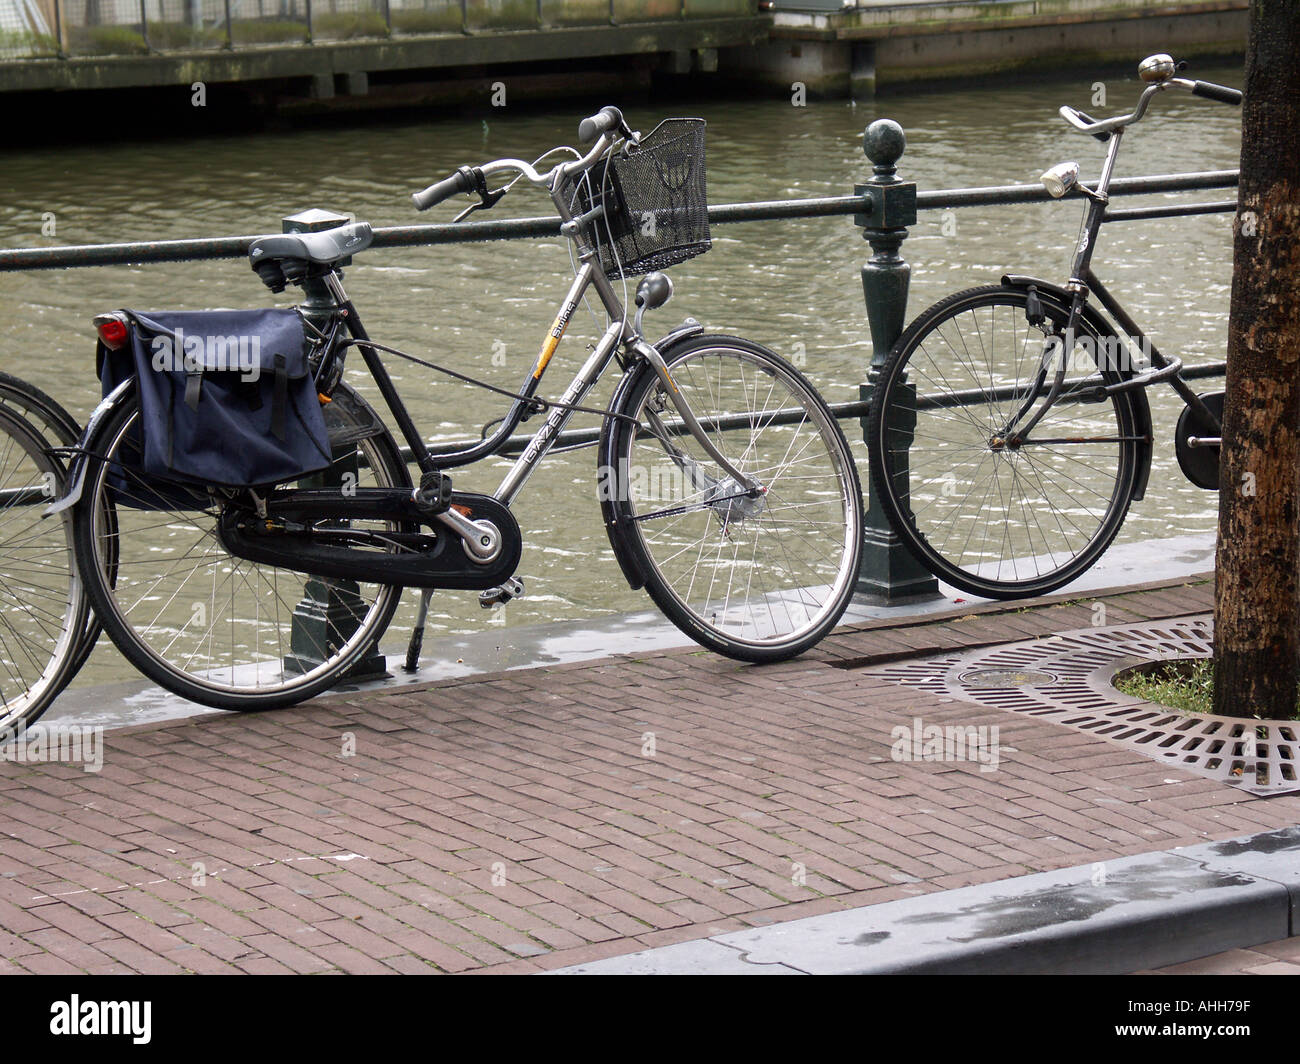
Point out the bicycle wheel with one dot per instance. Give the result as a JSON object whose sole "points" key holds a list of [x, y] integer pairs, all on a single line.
{"points": [[45, 414], [996, 519], [216, 629], [50, 419], [757, 579], [43, 608]]}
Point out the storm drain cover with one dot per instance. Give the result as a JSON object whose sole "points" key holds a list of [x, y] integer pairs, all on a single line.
{"points": [[1068, 678], [1006, 678]]}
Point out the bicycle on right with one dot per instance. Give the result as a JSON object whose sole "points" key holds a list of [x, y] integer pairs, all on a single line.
{"points": [[1009, 429]]}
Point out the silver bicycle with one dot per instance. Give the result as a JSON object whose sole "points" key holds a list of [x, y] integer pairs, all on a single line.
{"points": [[725, 484]]}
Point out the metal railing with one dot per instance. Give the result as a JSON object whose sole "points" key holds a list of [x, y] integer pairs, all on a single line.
{"points": [[883, 208], [405, 236], [42, 29]]}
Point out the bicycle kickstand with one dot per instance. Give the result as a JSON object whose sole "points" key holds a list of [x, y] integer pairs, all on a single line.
{"points": [[417, 632]]}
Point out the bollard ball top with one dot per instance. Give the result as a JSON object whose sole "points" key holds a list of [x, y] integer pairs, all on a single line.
{"points": [[883, 142]]}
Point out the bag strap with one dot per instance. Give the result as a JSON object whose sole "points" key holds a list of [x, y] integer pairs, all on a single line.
{"points": [[280, 398], [193, 377], [193, 385]]}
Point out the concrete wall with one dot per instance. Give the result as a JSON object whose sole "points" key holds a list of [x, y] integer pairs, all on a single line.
{"points": [[875, 45]]}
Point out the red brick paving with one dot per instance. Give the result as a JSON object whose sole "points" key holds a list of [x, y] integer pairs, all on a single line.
{"points": [[522, 821], [1271, 958]]}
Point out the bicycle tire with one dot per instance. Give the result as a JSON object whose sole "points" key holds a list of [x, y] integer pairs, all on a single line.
{"points": [[40, 409], [965, 367], [806, 577], [50, 418], [43, 605], [231, 684]]}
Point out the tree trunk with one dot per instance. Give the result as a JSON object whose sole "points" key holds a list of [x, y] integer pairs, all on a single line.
{"points": [[1256, 612]]}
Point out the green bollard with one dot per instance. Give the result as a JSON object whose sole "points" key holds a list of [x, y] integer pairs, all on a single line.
{"points": [[330, 609], [888, 572]]}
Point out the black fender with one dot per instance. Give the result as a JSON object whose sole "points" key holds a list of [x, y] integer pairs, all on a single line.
{"points": [[1061, 298], [77, 467], [610, 479]]}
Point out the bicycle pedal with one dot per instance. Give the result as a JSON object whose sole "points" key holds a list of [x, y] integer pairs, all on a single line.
{"points": [[511, 589], [433, 496]]}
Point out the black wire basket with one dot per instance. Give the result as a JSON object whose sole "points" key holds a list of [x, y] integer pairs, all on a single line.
{"points": [[656, 204]]}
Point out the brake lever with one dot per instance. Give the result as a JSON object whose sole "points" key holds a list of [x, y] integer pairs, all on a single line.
{"points": [[486, 199]]}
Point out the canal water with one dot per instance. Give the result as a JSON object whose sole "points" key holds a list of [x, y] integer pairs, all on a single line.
{"points": [[484, 309]]}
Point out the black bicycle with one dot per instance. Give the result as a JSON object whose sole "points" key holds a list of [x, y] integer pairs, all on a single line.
{"points": [[725, 484], [1009, 429]]}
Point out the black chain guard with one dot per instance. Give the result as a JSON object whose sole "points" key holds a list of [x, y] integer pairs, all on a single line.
{"points": [[300, 524], [1200, 465]]}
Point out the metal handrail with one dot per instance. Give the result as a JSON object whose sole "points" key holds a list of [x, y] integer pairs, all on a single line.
{"points": [[233, 247]]}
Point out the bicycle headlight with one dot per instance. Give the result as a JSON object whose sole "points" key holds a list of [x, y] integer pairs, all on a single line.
{"points": [[1060, 179]]}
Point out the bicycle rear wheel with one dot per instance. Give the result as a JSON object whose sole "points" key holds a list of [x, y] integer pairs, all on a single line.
{"points": [[43, 608], [757, 579], [216, 629], [999, 520]]}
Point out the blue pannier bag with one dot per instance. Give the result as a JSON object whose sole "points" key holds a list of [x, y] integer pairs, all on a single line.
{"points": [[227, 399]]}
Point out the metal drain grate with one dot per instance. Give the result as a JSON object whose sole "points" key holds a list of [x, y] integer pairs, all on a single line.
{"points": [[1068, 678]]}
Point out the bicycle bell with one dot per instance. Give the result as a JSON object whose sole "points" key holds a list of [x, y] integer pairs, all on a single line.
{"points": [[1157, 68]]}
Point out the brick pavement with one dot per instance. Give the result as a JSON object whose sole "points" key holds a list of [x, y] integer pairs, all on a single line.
{"points": [[529, 820], [1270, 958]]}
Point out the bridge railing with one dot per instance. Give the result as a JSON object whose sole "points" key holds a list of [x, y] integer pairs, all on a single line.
{"points": [[32, 29], [882, 208]]}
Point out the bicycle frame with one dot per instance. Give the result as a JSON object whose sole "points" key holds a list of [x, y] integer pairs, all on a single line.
{"points": [[620, 331], [1084, 282]]}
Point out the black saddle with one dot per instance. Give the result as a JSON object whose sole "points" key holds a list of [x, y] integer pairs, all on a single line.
{"points": [[325, 248], [287, 257]]}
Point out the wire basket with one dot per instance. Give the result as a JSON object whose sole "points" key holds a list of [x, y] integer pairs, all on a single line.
{"points": [[656, 205]]}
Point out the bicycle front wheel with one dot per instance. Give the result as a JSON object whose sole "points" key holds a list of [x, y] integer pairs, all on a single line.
{"points": [[758, 578], [993, 518], [43, 609]]}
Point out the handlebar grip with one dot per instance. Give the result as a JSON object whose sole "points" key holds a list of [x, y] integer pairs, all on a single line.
{"points": [[461, 181], [1221, 93], [606, 119]]}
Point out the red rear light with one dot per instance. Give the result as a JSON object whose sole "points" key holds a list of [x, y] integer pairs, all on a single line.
{"points": [[113, 332]]}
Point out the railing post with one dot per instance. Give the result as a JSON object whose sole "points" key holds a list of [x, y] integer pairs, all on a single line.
{"points": [[888, 572], [60, 31], [331, 607]]}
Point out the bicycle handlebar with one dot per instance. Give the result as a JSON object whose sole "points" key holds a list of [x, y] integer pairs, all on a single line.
{"points": [[1103, 128], [1221, 93], [463, 180], [603, 127], [606, 120]]}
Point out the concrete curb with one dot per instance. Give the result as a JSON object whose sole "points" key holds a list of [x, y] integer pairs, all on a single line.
{"points": [[1108, 918]]}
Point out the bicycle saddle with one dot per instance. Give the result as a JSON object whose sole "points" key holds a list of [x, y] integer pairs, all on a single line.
{"points": [[324, 248]]}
